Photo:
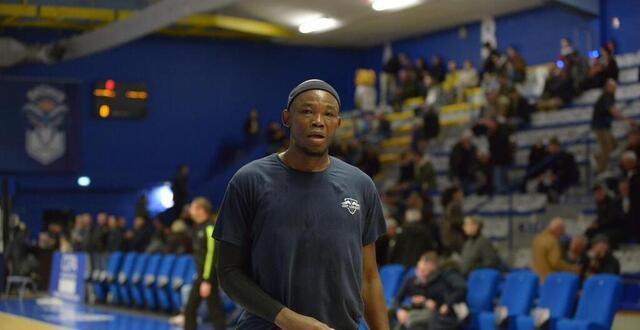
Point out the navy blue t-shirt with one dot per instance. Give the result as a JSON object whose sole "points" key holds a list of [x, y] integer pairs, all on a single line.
{"points": [[305, 231]]}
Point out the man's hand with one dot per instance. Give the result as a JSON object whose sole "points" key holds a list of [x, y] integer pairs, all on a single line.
{"points": [[290, 320], [418, 300], [430, 304], [403, 316], [444, 309], [205, 289]]}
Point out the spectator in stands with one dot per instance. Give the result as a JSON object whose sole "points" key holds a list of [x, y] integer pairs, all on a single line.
{"points": [[275, 137], [602, 69], [633, 142], [519, 109], [500, 149], [576, 252], [577, 66], [388, 79], [115, 238], [420, 68], [547, 253], [138, 238], [461, 163], [415, 237], [565, 47], [601, 260], [515, 67], [558, 90], [426, 175], [628, 164], [468, 76], [604, 111], [477, 251], [141, 208], [158, 238], [488, 53], [179, 187], [386, 243], [369, 162], [451, 232], [559, 171], [451, 83], [407, 86], [483, 173], [609, 217], [179, 238], [80, 235], [99, 233], [431, 295], [634, 206], [50, 239], [437, 69], [623, 203], [20, 255], [408, 163], [252, 127]]}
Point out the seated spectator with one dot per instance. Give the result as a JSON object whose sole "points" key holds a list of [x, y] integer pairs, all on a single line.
{"points": [[565, 48], [489, 53], [158, 238], [518, 110], [425, 178], [468, 76], [601, 260], [451, 83], [628, 164], [426, 300], [419, 68], [115, 238], [559, 171], [139, 237], [576, 252], [609, 217], [434, 98], [577, 66], [477, 251], [461, 163], [451, 233], [558, 90], [179, 239], [408, 164], [603, 68], [547, 252], [515, 67], [252, 127], [416, 237], [436, 69], [369, 162], [633, 142]]}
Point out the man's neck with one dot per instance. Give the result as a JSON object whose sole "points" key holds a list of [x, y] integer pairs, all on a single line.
{"points": [[200, 221], [298, 160]]}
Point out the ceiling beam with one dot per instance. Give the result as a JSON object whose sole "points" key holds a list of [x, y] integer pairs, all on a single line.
{"points": [[86, 18]]}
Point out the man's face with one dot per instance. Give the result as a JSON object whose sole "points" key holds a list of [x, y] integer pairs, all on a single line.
{"points": [[424, 269], [599, 194], [313, 119], [600, 249], [554, 148]]}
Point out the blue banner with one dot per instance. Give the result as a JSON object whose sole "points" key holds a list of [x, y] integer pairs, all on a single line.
{"points": [[67, 276], [39, 125]]}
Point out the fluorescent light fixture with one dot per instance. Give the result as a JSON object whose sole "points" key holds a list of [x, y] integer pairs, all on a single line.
{"points": [[84, 181], [317, 25], [393, 5]]}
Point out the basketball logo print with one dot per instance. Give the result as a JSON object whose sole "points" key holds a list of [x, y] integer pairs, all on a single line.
{"points": [[351, 205]]}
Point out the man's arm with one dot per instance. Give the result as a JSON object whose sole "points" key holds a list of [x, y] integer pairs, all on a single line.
{"points": [[556, 261], [375, 311]]}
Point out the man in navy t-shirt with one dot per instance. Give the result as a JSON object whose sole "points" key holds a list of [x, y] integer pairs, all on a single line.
{"points": [[296, 231]]}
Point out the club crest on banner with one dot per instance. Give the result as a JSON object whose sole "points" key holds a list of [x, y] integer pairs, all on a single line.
{"points": [[45, 139]]}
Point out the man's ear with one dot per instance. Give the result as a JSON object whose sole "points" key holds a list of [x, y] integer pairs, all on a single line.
{"points": [[285, 117]]}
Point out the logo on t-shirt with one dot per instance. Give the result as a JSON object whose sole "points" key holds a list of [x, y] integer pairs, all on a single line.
{"points": [[351, 204]]}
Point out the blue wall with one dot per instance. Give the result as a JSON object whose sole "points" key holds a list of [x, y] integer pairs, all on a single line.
{"points": [[200, 93], [626, 37]]}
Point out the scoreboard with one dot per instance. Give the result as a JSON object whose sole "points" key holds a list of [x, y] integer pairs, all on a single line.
{"points": [[120, 100]]}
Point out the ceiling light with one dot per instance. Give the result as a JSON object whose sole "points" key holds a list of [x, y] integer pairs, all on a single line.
{"points": [[393, 5], [317, 25]]}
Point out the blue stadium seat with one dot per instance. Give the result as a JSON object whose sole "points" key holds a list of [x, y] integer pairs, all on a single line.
{"points": [[149, 281], [483, 287], [136, 283], [124, 278], [598, 303], [558, 295], [411, 272], [178, 274], [111, 276], [391, 278], [163, 282], [517, 296]]}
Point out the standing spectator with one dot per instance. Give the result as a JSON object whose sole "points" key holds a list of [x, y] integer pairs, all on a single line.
{"points": [[501, 151], [604, 111], [482, 172], [601, 260], [461, 163], [628, 164], [565, 47], [451, 232], [451, 83], [179, 187], [388, 79], [432, 293], [141, 207], [138, 238], [437, 69], [432, 103], [407, 86], [420, 68], [426, 175], [80, 235], [100, 233], [468, 76], [477, 251], [488, 53], [386, 243], [609, 217], [115, 238], [601, 70], [547, 253], [275, 137], [252, 127], [516, 67]]}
